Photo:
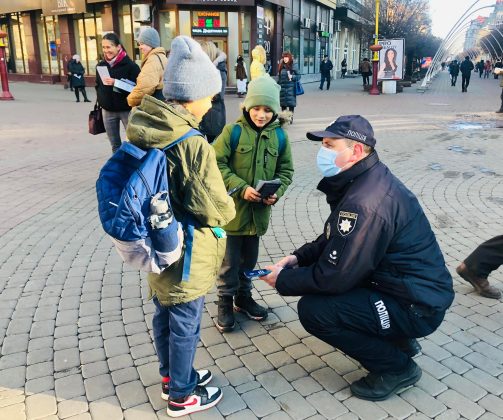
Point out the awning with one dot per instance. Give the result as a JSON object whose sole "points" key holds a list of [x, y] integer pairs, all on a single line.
{"points": [[20, 6]]}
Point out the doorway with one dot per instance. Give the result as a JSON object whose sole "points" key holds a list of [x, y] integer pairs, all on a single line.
{"points": [[221, 44]]}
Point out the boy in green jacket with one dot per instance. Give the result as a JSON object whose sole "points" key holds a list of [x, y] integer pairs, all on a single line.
{"points": [[258, 149]]}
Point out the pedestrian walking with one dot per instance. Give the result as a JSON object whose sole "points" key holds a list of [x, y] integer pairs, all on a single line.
{"points": [[454, 71], [466, 69], [475, 269], [114, 101], [365, 288], [213, 121], [326, 67], [259, 133], [344, 68], [199, 198], [366, 71], [153, 63], [480, 68], [288, 75], [487, 69], [498, 71], [77, 82], [241, 76]]}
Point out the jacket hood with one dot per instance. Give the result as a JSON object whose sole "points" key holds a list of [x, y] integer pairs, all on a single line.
{"points": [[157, 124]]}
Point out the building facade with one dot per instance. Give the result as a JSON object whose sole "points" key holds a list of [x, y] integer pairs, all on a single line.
{"points": [[43, 35]]}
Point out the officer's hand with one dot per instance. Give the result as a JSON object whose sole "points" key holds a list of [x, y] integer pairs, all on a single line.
{"points": [[288, 261], [270, 279], [269, 201], [252, 195]]}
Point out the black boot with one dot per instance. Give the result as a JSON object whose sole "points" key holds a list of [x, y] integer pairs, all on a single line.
{"points": [[77, 94], [85, 95], [246, 304], [409, 346], [225, 319]]}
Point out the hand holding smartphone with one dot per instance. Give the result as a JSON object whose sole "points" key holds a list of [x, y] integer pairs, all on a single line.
{"points": [[253, 274]]}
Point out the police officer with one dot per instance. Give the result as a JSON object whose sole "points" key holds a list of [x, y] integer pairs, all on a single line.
{"points": [[375, 278]]}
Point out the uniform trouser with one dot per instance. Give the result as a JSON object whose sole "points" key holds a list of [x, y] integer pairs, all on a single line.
{"points": [[241, 254], [111, 121], [176, 334], [323, 78], [465, 81], [487, 257], [363, 324]]}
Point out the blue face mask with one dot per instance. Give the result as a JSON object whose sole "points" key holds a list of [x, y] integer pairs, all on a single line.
{"points": [[326, 161]]}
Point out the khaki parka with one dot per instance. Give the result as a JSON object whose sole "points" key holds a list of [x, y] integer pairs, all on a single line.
{"points": [[196, 190], [256, 158], [150, 78]]}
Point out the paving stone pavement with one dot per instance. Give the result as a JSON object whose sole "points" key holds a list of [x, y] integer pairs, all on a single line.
{"points": [[76, 329]]}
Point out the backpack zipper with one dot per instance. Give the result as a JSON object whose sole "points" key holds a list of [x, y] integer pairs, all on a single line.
{"points": [[144, 182], [130, 207]]}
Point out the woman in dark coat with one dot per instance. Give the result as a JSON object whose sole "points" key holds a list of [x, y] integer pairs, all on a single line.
{"points": [[77, 81], [287, 76], [114, 101]]}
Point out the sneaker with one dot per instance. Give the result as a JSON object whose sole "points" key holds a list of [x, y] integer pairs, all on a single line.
{"points": [[480, 284], [251, 308], [202, 398], [381, 386], [225, 317], [409, 346], [203, 377]]}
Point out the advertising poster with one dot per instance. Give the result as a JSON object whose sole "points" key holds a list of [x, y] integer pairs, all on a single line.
{"points": [[391, 59]]}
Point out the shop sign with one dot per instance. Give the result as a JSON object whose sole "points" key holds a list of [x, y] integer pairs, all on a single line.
{"points": [[324, 34], [222, 31], [63, 7], [209, 2]]}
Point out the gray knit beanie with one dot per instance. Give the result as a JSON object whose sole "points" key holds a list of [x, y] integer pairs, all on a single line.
{"points": [[149, 36], [189, 74]]}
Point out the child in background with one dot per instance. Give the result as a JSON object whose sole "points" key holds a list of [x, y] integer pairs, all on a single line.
{"points": [[261, 152]]}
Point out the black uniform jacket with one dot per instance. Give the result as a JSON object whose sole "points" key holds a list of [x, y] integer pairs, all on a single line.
{"points": [[376, 236]]}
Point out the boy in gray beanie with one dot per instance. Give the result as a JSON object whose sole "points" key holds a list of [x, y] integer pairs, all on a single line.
{"points": [[199, 199]]}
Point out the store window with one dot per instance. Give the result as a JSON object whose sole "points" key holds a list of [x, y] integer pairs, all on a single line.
{"points": [[49, 42], [88, 33], [167, 28], [19, 49], [309, 39], [291, 30], [129, 31]]}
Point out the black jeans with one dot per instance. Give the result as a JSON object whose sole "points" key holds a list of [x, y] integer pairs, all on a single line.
{"points": [[488, 256], [465, 81], [454, 79], [241, 254], [363, 323], [323, 78], [366, 77]]}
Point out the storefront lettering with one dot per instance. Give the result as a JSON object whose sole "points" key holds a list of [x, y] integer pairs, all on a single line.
{"points": [[222, 31]]}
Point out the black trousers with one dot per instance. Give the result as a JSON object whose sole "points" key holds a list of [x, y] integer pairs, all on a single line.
{"points": [[84, 93], [487, 257], [366, 77], [454, 79], [465, 81], [363, 323], [323, 78]]}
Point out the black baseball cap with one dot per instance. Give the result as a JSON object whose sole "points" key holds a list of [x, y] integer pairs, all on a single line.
{"points": [[352, 127]]}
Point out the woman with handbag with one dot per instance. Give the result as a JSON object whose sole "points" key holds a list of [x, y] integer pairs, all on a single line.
{"points": [[114, 101], [288, 75], [76, 72]]}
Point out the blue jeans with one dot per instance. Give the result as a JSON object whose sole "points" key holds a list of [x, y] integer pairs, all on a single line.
{"points": [[176, 334], [111, 121]]}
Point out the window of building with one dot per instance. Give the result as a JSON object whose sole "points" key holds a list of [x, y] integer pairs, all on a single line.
{"points": [[49, 42], [309, 39], [129, 31], [167, 27], [19, 49], [88, 34]]}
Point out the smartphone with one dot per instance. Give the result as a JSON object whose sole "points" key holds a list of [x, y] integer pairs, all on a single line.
{"points": [[252, 274]]}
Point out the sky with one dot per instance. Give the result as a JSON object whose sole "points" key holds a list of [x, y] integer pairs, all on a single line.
{"points": [[445, 13]]}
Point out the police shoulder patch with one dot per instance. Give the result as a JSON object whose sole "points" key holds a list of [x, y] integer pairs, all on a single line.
{"points": [[346, 222]]}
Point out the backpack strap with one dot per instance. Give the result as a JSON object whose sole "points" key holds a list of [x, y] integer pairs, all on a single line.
{"points": [[281, 140], [192, 132], [235, 135]]}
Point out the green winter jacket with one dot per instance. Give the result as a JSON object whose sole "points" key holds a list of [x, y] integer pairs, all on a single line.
{"points": [[196, 189], [255, 158]]}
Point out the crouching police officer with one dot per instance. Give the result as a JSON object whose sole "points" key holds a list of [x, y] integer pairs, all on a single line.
{"points": [[375, 278]]}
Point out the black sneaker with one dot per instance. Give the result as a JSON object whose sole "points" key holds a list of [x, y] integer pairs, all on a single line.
{"points": [[203, 377], [251, 308], [381, 386], [409, 346], [200, 399], [225, 317]]}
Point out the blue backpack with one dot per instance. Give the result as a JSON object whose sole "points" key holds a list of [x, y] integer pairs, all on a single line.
{"points": [[129, 185]]}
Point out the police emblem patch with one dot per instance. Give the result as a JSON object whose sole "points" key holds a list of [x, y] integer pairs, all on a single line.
{"points": [[346, 222]]}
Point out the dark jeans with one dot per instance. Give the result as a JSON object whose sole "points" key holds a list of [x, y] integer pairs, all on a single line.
{"points": [[241, 254], [176, 334], [112, 121], [323, 78], [488, 256], [366, 78], [84, 93], [465, 81], [454, 79], [363, 324]]}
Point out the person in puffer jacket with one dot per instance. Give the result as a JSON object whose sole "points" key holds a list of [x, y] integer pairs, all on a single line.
{"points": [[200, 201]]}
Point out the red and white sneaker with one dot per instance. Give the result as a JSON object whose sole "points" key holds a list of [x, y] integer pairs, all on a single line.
{"points": [[203, 377], [202, 398]]}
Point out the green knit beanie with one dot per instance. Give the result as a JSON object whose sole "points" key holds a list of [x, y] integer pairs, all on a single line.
{"points": [[263, 91]]}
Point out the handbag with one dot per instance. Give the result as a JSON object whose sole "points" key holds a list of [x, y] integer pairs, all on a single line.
{"points": [[299, 90], [96, 125]]}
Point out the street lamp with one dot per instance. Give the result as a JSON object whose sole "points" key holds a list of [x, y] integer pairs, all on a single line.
{"points": [[375, 54], [5, 95]]}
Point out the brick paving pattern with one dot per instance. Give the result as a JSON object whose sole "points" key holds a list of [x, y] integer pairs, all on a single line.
{"points": [[76, 329]]}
